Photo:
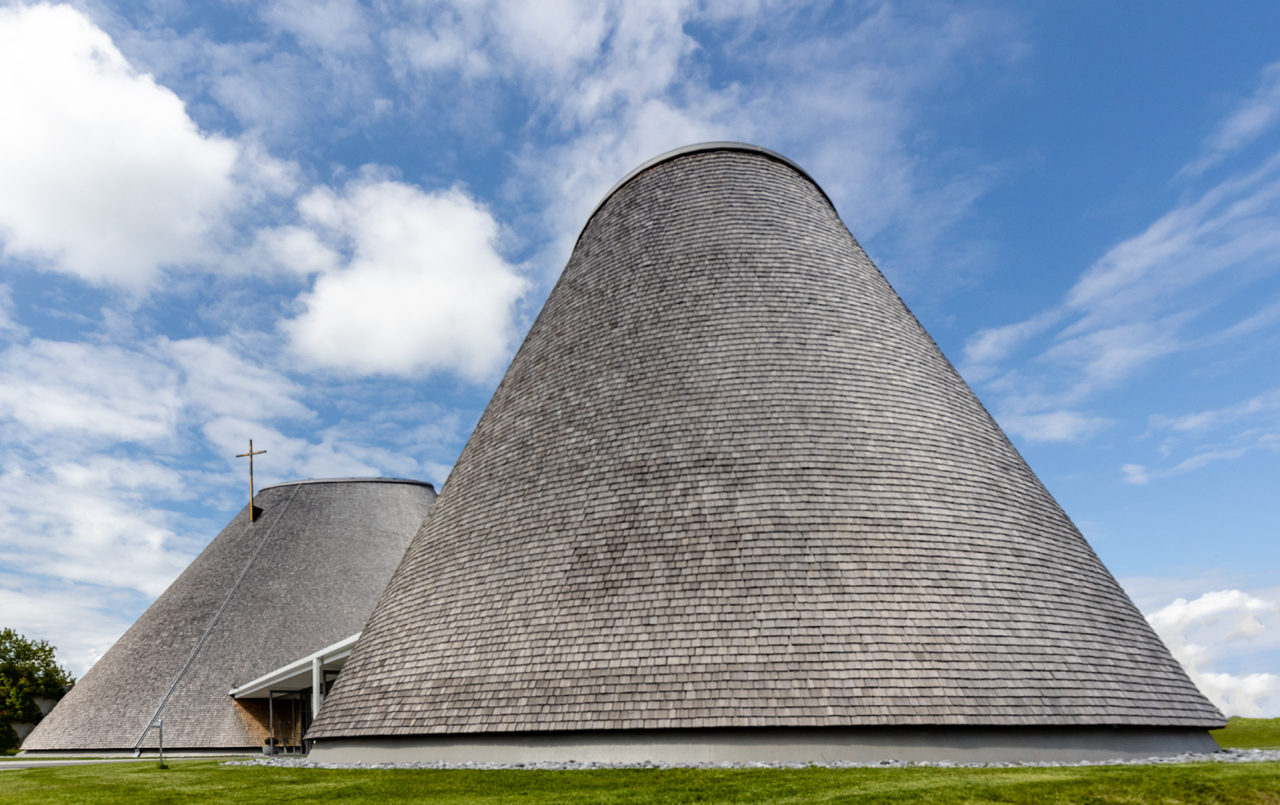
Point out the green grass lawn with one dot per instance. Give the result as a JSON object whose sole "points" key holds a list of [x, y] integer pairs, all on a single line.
{"points": [[208, 781], [1249, 733]]}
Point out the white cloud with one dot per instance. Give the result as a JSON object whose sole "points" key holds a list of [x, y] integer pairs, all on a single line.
{"points": [[100, 394], [604, 80], [861, 87], [331, 25], [1201, 421], [1250, 119], [1213, 619], [598, 88], [59, 388], [1053, 426], [580, 56], [425, 288], [575, 176], [1162, 292], [1103, 357], [613, 84], [1135, 474], [90, 431], [102, 173], [81, 620], [88, 520], [1238, 447], [1233, 223], [997, 343], [216, 380], [109, 450], [8, 323], [295, 249], [448, 42], [1256, 421]]}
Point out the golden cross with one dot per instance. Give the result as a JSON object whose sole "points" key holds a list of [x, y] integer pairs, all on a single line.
{"points": [[251, 454]]}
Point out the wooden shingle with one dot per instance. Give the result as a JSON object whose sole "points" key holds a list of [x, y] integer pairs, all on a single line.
{"points": [[729, 480], [262, 595]]}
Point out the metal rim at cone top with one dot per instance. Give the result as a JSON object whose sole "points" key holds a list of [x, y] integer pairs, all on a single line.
{"points": [[729, 482], [695, 148]]}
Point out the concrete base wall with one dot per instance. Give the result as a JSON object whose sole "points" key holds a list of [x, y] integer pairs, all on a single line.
{"points": [[776, 745], [149, 752]]}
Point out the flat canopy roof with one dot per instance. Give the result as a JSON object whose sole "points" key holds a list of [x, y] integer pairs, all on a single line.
{"points": [[297, 674]]}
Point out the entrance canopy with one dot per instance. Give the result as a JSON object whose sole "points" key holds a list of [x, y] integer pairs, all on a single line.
{"points": [[314, 672]]}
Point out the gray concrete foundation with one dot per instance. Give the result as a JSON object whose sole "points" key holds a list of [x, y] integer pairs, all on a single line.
{"points": [[149, 752], [776, 745]]}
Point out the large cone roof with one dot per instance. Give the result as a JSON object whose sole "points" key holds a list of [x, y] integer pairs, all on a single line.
{"points": [[729, 480], [304, 576]]}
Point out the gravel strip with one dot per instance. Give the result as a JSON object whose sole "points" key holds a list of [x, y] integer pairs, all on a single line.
{"points": [[1222, 756]]}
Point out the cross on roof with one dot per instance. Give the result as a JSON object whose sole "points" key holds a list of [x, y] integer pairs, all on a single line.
{"points": [[251, 454]]}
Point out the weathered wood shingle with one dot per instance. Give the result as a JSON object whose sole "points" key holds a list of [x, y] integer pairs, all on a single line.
{"points": [[729, 480], [313, 566]]}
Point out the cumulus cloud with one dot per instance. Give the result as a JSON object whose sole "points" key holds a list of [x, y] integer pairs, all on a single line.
{"points": [[424, 289], [102, 173], [402, 282], [1194, 629]]}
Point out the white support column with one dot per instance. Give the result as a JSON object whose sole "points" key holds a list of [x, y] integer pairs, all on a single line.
{"points": [[317, 685]]}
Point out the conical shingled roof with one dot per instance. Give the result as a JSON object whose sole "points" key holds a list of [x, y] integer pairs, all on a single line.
{"points": [[730, 481], [305, 575]]}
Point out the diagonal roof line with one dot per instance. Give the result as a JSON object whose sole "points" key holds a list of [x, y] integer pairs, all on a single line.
{"points": [[230, 594]]}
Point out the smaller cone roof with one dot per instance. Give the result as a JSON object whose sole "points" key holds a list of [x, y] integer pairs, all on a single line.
{"points": [[261, 595]]}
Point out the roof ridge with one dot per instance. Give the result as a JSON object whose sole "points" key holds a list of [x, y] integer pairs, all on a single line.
{"points": [[371, 480]]}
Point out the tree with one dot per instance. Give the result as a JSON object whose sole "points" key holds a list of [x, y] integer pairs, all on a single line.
{"points": [[28, 672]]}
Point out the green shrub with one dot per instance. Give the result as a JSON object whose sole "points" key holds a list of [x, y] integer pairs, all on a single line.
{"points": [[28, 672]]}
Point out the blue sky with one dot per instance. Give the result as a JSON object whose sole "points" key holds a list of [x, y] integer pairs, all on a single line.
{"points": [[326, 226]]}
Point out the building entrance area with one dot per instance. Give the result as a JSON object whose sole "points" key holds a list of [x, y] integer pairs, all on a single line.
{"points": [[293, 695]]}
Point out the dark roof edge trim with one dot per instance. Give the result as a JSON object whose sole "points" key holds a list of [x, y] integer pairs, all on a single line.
{"points": [[697, 148], [350, 481]]}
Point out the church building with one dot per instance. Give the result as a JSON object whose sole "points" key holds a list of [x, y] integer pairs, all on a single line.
{"points": [[730, 502]]}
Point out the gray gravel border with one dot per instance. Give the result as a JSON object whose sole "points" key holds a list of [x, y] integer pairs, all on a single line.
{"points": [[1222, 756]]}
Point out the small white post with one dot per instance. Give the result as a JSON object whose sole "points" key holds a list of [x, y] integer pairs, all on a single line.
{"points": [[317, 685]]}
